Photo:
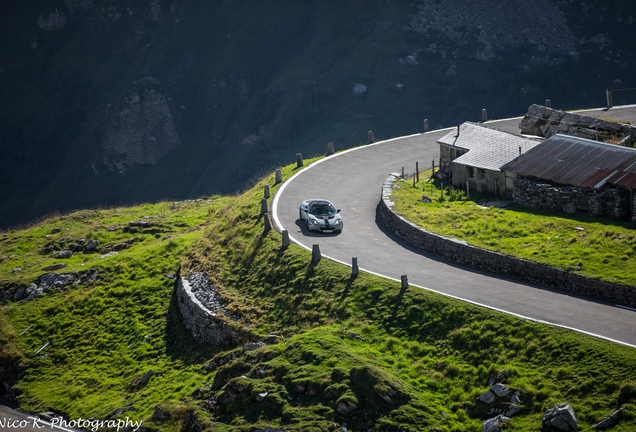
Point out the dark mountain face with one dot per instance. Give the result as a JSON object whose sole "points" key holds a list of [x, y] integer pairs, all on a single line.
{"points": [[114, 102]]}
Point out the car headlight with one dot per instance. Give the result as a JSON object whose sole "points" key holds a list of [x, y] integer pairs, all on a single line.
{"points": [[313, 220]]}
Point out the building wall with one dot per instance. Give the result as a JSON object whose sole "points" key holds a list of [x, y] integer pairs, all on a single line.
{"points": [[612, 202], [448, 154], [483, 180]]}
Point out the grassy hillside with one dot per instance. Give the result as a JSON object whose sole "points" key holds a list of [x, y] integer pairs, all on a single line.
{"points": [[249, 84], [352, 350]]}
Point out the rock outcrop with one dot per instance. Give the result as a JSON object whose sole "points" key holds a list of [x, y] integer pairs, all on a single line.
{"points": [[55, 20], [561, 417], [142, 130], [545, 122]]}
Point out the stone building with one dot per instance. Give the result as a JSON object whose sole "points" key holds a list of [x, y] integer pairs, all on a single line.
{"points": [[474, 153], [576, 175]]}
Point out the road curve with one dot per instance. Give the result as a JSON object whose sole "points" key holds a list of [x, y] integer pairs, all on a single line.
{"points": [[353, 180]]}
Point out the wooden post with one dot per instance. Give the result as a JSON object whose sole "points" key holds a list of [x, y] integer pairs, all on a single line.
{"points": [[279, 176], [417, 171], [433, 172], [330, 149], [299, 160], [467, 189], [548, 103], [354, 266], [596, 128], [484, 115], [403, 173], [610, 102], [426, 125]]}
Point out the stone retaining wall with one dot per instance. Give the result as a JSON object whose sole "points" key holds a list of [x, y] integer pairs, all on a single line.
{"points": [[612, 202], [461, 252], [204, 325]]}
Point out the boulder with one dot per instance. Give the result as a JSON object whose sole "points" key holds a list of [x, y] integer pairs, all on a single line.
{"points": [[91, 245], [608, 422], [252, 346], [493, 424], [20, 293], [146, 377], [65, 254], [346, 407], [159, 414], [358, 88], [561, 417], [54, 267]]}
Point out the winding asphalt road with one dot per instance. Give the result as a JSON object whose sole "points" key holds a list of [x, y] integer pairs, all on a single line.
{"points": [[353, 181]]}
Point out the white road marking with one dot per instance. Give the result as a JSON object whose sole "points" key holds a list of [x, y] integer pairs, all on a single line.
{"points": [[280, 227]]}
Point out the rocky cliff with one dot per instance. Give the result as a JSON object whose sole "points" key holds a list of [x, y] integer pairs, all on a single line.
{"points": [[120, 102]]}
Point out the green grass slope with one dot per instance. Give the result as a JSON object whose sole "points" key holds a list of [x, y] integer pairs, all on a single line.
{"points": [[351, 350], [601, 248]]}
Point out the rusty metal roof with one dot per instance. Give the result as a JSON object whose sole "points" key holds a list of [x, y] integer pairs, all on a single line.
{"points": [[577, 161]]}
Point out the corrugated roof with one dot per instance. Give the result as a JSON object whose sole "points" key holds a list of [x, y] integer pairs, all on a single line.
{"points": [[487, 148], [577, 161]]}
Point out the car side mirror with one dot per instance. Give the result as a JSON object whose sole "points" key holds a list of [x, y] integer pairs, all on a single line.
{"points": [[338, 211]]}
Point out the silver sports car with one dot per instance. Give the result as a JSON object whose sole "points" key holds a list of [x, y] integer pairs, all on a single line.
{"points": [[320, 215]]}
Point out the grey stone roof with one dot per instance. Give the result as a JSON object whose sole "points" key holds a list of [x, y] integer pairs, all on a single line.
{"points": [[487, 148]]}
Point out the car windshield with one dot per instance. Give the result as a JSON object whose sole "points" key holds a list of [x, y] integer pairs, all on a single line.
{"points": [[322, 209]]}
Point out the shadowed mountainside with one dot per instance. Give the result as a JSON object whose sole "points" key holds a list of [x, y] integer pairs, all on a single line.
{"points": [[117, 102]]}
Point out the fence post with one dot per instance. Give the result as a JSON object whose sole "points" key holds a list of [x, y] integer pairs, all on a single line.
{"points": [[484, 115], [417, 171], [266, 191], [263, 206], [610, 102], [330, 149], [354, 266], [371, 138], [285, 238], [315, 253], [548, 103], [426, 125], [299, 160], [279, 176], [467, 190]]}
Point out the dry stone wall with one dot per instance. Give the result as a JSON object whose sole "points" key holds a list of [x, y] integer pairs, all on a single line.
{"points": [[204, 325], [612, 202], [463, 253]]}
